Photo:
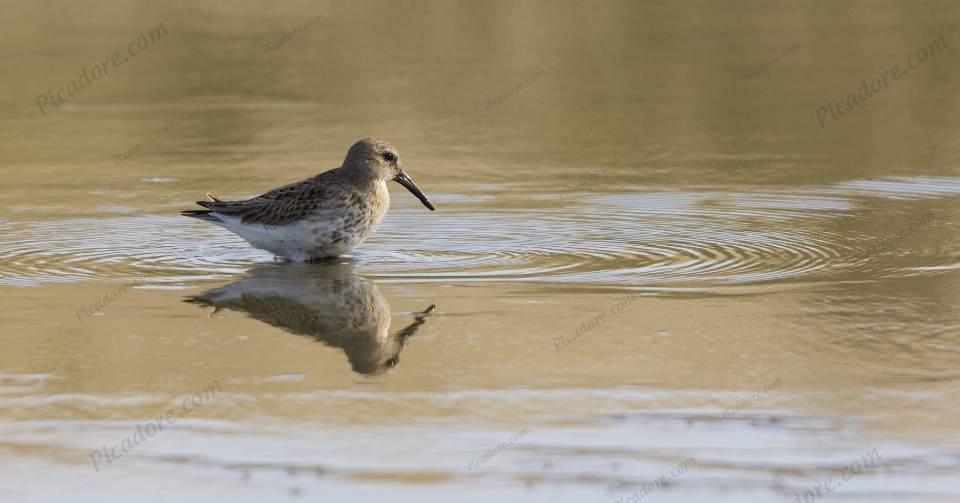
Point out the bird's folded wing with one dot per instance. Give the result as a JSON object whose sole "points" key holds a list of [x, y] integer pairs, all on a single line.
{"points": [[279, 206]]}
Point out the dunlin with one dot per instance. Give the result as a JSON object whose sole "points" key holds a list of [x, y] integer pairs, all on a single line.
{"points": [[326, 215]]}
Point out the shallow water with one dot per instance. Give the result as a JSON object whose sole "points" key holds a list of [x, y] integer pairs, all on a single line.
{"points": [[639, 258]]}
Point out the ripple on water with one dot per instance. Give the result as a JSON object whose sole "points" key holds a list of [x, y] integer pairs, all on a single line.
{"points": [[155, 247], [696, 239]]}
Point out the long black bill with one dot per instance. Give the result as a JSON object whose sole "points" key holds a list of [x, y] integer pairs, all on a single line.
{"points": [[406, 181]]}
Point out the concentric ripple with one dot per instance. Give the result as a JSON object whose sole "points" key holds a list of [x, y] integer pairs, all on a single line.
{"points": [[656, 238], [632, 239], [151, 247]]}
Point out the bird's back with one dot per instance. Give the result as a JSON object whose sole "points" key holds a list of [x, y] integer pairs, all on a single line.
{"points": [[286, 204]]}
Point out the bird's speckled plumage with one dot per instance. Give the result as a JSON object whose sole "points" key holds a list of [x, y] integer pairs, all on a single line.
{"points": [[326, 215]]}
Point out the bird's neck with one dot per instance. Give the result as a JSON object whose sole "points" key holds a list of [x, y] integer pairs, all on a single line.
{"points": [[359, 176]]}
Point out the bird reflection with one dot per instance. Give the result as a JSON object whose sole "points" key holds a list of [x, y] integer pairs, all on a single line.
{"points": [[328, 302]]}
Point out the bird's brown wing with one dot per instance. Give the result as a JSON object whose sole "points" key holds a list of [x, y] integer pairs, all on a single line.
{"points": [[282, 205]]}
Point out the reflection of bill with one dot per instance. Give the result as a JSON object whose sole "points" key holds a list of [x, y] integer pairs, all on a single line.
{"points": [[330, 303]]}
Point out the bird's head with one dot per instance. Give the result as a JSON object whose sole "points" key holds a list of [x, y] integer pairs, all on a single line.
{"points": [[378, 160]]}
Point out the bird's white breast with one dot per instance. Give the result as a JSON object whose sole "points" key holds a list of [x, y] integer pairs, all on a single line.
{"points": [[324, 233]]}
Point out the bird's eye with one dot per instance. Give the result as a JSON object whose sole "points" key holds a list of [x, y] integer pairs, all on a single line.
{"points": [[390, 156]]}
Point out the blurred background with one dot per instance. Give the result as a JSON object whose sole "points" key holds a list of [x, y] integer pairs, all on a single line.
{"points": [[668, 246]]}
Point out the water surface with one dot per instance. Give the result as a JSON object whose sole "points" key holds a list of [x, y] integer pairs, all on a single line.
{"points": [[640, 257]]}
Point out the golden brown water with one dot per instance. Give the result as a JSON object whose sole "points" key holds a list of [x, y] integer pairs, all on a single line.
{"points": [[663, 249]]}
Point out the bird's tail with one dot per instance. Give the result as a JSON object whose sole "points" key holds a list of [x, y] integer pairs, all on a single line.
{"points": [[206, 215]]}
